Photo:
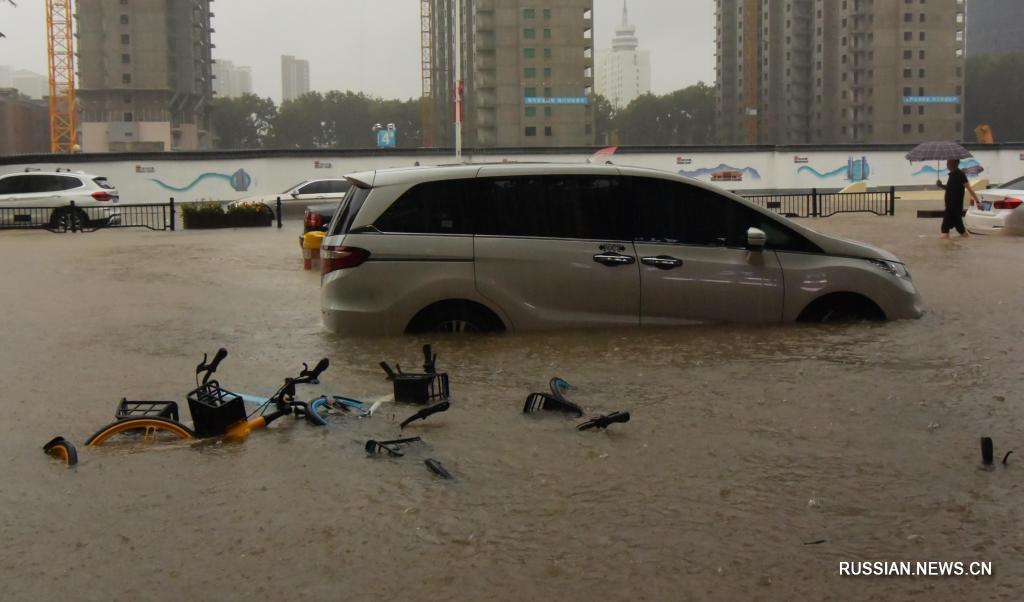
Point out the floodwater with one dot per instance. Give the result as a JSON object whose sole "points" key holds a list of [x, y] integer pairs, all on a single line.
{"points": [[746, 445]]}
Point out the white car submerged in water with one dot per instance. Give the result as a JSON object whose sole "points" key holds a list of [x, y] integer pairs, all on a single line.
{"points": [[999, 211]]}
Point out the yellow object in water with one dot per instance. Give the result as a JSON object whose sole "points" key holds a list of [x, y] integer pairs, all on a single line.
{"points": [[312, 240]]}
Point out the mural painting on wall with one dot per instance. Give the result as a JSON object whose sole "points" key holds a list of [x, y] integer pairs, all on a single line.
{"points": [[970, 167], [722, 173], [240, 181], [855, 170]]}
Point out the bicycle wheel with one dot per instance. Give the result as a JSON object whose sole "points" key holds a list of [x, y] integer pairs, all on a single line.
{"points": [[151, 428], [314, 409], [63, 450]]}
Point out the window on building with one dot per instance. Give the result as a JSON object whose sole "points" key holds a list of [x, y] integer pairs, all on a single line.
{"points": [[920, 128], [126, 59], [547, 92], [547, 34], [547, 111], [529, 33], [547, 72], [908, 54], [126, 39], [906, 128], [530, 72], [124, 19], [907, 72], [921, 19], [530, 92], [529, 53], [529, 13], [530, 111], [547, 130], [920, 73], [908, 36], [127, 116], [126, 78], [906, 110], [547, 13], [530, 131], [908, 17], [921, 36], [547, 53]]}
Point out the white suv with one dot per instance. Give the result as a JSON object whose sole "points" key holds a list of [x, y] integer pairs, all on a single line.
{"points": [[529, 247], [43, 198]]}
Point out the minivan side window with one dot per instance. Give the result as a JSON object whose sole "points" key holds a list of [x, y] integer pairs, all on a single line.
{"points": [[348, 209], [429, 208], [552, 206], [678, 213]]}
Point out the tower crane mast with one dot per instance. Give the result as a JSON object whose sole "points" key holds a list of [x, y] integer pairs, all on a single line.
{"points": [[61, 60]]}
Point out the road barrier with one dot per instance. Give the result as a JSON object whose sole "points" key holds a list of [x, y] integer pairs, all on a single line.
{"points": [[826, 204], [78, 218]]}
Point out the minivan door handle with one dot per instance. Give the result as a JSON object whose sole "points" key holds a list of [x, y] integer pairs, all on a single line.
{"points": [[662, 262], [614, 259]]}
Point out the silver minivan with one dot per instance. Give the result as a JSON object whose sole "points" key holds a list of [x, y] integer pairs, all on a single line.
{"points": [[485, 247]]}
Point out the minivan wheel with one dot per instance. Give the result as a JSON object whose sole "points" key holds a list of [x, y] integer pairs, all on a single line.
{"points": [[455, 317], [842, 308]]}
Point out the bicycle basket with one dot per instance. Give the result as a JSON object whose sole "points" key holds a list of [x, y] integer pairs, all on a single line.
{"points": [[138, 409], [421, 388], [214, 409]]}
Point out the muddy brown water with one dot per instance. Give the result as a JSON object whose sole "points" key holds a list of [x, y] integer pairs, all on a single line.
{"points": [[745, 443]]}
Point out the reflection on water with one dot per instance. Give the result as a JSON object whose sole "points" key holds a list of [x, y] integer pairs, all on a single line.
{"points": [[745, 442]]}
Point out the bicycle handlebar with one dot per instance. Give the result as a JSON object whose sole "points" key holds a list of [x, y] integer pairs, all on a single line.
{"points": [[306, 376], [212, 366]]}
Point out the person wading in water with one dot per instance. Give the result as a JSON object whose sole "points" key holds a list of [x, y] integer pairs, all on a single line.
{"points": [[954, 187]]}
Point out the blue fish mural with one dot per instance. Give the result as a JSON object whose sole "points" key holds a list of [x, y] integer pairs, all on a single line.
{"points": [[240, 181], [708, 171], [855, 170]]}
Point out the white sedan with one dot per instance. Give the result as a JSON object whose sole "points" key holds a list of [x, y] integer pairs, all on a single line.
{"points": [[1000, 210]]}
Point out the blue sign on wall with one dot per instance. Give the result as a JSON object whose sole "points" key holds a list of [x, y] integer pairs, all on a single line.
{"points": [[556, 100], [931, 100], [386, 138]]}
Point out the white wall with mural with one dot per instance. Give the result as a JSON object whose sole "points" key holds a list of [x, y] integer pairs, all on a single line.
{"points": [[224, 178]]}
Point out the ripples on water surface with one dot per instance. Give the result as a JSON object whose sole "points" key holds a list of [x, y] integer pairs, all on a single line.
{"points": [[745, 443]]}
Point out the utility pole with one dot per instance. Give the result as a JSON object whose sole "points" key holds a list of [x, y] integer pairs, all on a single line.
{"points": [[458, 81]]}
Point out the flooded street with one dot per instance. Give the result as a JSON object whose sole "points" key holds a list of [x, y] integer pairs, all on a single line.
{"points": [[746, 443]]}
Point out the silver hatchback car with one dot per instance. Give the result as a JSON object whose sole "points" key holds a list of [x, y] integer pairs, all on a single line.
{"points": [[532, 247]]}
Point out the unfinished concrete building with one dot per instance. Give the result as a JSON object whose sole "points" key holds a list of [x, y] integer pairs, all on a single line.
{"points": [[838, 71], [144, 71], [528, 72]]}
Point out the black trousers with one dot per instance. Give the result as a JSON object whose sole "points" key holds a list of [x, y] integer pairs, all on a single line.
{"points": [[953, 218]]}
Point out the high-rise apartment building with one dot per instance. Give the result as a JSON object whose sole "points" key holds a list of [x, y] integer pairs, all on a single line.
{"points": [[623, 71], [995, 27], [527, 70], [294, 77], [837, 71], [230, 80], [144, 74]]}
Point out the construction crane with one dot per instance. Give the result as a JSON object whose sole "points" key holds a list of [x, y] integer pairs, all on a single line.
{"points": [[61, 58]]}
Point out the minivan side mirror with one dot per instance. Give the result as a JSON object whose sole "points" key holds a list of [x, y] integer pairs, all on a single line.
{"points": [[756, 239]]}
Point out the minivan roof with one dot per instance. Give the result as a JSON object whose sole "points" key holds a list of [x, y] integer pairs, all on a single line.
{"points": [[409, 175]]}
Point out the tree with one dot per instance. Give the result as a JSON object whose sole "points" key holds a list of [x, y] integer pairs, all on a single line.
{"points": [[604, 118], [685, 116], [243, 122], [992, 84]]}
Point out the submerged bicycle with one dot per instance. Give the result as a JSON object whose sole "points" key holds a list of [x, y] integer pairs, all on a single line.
{"points": [[215, 411]]}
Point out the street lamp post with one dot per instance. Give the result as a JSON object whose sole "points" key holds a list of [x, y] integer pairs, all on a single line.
{"points": [[458, 80]]}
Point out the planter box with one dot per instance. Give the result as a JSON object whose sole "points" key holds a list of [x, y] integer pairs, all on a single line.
{"points": [[203, 221]]}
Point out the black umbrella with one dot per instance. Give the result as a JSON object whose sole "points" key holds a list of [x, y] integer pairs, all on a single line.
{"points": [[938, 151]]}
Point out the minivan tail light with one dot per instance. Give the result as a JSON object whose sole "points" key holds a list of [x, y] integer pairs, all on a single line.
{"points": [[339, 258], [102, 196], [1007, 203]]}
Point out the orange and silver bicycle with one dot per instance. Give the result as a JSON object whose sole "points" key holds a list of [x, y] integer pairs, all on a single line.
{"points": [[215, 411]]}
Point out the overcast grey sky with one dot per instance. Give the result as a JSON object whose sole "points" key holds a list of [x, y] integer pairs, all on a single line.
{"points": [[373, 45]]}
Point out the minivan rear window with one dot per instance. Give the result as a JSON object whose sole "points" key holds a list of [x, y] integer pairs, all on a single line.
{"points": [[349, 208], [429, 208]]}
